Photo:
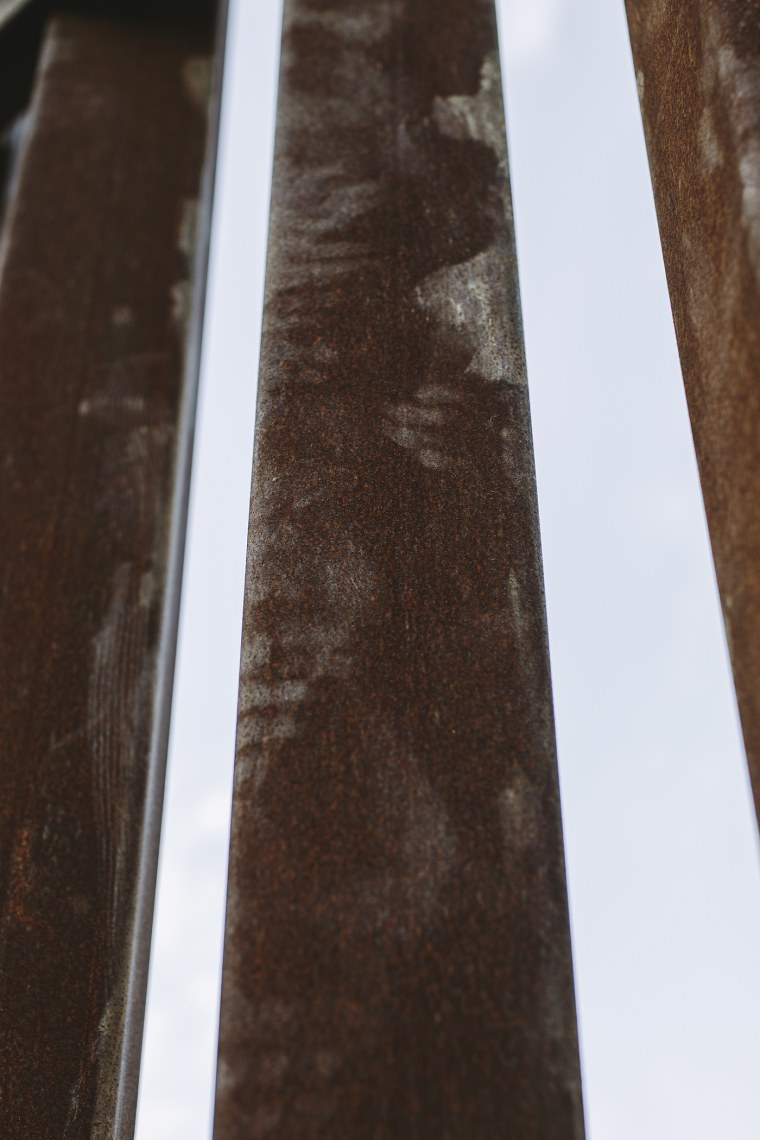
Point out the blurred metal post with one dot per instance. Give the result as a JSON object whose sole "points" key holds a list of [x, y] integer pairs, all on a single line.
{"points": [[101, 297], [397, 959], [10, 8], [698, 71]]}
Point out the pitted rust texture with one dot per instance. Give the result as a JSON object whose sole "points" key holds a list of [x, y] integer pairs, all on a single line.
{"points": [[397, 958], [698, 71], [96, 396]]}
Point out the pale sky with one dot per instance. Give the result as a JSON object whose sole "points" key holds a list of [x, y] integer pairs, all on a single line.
{"points": [[660, 839]]}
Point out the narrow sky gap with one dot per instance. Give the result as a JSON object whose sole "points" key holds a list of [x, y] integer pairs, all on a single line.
{"points": [[661, 847], [178, 1067]]}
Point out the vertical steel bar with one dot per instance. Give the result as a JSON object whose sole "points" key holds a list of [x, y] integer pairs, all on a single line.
{"points": [[397, 959], [101, 293], [698, 71]]}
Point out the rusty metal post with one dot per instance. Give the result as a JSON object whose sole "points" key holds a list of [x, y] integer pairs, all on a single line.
{"points": [[101, 294], [397, 959], [698, 71]]}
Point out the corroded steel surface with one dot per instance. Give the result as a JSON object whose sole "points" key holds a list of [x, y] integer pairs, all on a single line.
{"points": [[698, 71], [103, 258], [397, 958]]}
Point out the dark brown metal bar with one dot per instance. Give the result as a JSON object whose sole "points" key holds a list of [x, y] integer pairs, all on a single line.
{"points": [[698, 70], [397, 959], [101, 294]]}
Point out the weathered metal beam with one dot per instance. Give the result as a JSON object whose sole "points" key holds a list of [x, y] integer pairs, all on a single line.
{"points": [[698, 71], [101, 292], [397, 958]]}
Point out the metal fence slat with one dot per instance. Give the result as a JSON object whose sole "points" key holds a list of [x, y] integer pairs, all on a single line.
{"points": [[101, 289], [698, 71], [397, 958]]}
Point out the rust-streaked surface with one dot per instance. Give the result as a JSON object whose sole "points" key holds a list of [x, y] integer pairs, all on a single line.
{"points": [[397, 958], [103, 258], [698, 71]]}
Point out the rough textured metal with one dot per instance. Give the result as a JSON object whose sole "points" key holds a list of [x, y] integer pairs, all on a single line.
{"points": [[103, 258], [397, 958], [698, 71]]}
